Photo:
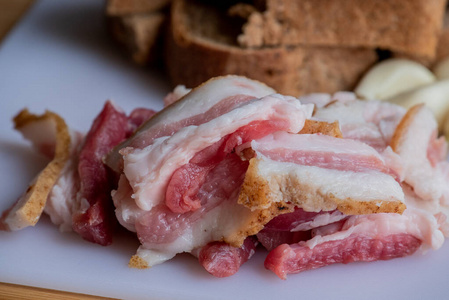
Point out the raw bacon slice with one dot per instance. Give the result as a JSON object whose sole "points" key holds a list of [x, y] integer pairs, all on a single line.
{"points": [[93, 215], [360, 238], [290, 259], [51, 136], [204, 103], [319, 172], [197, 166], [62, 196], [294, 227], [415, 141], [371, 122], [149, 170]]}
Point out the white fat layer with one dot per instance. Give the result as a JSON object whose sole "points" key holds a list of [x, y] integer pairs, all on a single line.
{"points": [[359, 186], [364, 120], [224, 220], [60, 201], [427, 181], [127, 211], [154, 257], [149, 170], [321, 220], [415, 222], [313, 143], [202, 98]]}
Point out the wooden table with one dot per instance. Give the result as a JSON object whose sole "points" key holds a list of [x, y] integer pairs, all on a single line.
{"points": [[10, 13]]}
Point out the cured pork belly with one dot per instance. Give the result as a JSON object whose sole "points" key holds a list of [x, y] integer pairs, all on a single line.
{"points": [[74, 188], [422, 225], [230, 164], [319, 173], [184, 185], [93, 214], [371, 122], [51, 136], [209, 100]]}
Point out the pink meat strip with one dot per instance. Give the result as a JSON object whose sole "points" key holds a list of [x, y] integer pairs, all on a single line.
{"points": [[204, 103], [290, 259], [93, 217], [295, 227], [145, 138], [322, 151], [161, 226], [223, 260], [181, 195]]}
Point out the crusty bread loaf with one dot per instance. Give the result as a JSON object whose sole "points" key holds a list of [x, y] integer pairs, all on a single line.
{"points": [[201, 43], [410, 27]]}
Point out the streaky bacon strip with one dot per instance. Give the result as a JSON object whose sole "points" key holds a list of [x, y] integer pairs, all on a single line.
{"points": [[142, 138], [322, 151], [291, 259], [223, 260], [160, 225], [94, 217], [181, 195], [296, 226]]}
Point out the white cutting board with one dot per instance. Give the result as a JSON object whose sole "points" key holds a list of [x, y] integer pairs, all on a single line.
{"points": [[60, 58]]}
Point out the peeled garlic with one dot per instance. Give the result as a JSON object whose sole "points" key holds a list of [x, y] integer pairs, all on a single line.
{"points": [[441, 70], [392, 77], [435, 96]]}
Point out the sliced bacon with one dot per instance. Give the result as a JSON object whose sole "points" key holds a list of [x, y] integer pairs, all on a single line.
{"points": [[93, 217], [320, 173], [162, 231], [211, 99], [415, 142], [321, 151], [223, 260], [290, 259], [149, 170], [371, 122], [51, 136], [294, 227], [186, 181]]}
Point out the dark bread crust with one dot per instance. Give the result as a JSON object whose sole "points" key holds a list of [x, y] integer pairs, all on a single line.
{"points": [[193, 54], [409, 27]]}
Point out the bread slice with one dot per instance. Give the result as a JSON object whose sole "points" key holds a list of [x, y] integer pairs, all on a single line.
{"points": [[202, 43], [408, 27], [137, 26], [139, 35]]}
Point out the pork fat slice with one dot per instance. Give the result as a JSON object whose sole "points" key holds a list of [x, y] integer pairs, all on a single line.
{"points": [[209, 142], [207, 101], [419, 156], [319, 172], [51, 136]]}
